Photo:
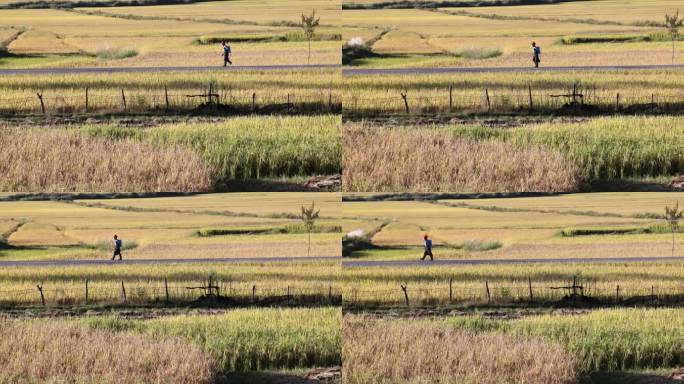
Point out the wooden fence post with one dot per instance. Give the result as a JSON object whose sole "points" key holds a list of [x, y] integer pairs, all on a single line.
{"points": [[617, 102], [451, 99], [529, 284], [289, 106], [330, 102], [42, 104], [166, 99], [210, 95], [617, 293], [123, 100], [42, 297], [451, 296], [86, 99], [489, 104], [123, 292], [86, 291], [330, 293], [253, 293], [166, 289], [288, 293], [406, 298], [210, 286], [489, 296], [529, 90], [253, 101], [406, 106]]}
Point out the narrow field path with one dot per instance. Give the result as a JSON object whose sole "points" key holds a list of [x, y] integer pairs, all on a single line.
{"points": [[347, 71], [588, 260], [217, 68], [85, 262]]}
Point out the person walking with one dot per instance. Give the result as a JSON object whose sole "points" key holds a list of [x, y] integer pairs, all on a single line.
{"points": [[536, 53], [428, 248], [226, 53], [117, 247]]}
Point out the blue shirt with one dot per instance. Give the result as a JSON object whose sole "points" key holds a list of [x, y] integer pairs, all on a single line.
{"points": [[428, 244], [117, 243]]}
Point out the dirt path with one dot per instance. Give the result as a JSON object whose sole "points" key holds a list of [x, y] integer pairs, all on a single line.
{"points": [[65, 263], [418, 263], [67, 71], [426, 71]]}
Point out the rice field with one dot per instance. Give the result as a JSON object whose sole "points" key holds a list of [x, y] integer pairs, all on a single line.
{"points": [[211, 347], [630, 92], [84, 229], [433, 37], [156, 93], [474, 157], [70, 37], [187, 157], [524, 228], [574, 348]]}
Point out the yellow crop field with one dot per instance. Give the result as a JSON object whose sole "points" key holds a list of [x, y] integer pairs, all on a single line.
{"points": [[554, 227], [202, 226], [429, 37], [263, 33]]}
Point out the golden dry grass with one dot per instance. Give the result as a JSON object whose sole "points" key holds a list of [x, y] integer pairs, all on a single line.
{"points": [[417, 160], [55, 353], [57, 161], [399, 352]]}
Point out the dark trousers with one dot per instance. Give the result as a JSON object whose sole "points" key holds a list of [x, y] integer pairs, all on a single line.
{"points": [[536, 60], [428, 252], [117, 252], [226, 59]]}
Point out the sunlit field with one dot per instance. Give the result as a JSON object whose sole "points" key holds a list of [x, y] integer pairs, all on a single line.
{"points": [[617, 345], [181, 228], [572, 226], [614, 33], [212, 347], [168, 35], [577, 154]]}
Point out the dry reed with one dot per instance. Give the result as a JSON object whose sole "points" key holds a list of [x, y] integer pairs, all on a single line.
{"points": [[57, 161], [57, 353], [401, 352], [418, 160]]}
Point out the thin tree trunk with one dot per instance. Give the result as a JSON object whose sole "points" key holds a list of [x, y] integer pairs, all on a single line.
{"points": [[308, 59], [308, 250], [673, 242], [673, 50]]}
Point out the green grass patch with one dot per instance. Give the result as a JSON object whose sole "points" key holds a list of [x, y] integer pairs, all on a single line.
{"points": [[606, 148], [249, 339], [478, 53], [116, 53], [601, 39], [604, 340], [602, 231], [248, 147], [292, 36], [286, 229]]}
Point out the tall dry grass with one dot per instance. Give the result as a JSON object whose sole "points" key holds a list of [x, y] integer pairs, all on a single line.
{"points": [[57, 353], [57, 161], [421, 160], [400, 352]]}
